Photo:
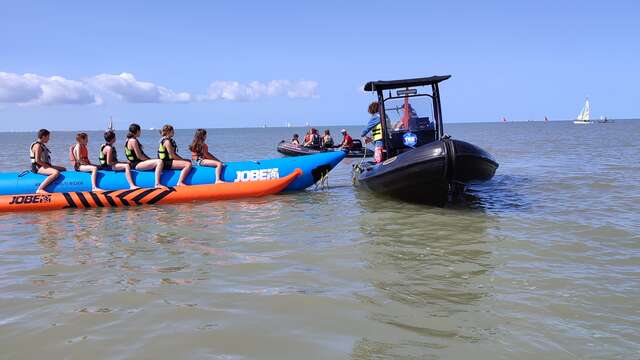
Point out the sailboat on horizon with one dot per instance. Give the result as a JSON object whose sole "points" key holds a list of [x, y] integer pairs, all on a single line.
{"points": [[584, 116]]}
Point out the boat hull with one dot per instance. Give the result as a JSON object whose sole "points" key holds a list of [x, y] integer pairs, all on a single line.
{"points": [[289, 149], [142, 196], [430, 172], [314, 167]]}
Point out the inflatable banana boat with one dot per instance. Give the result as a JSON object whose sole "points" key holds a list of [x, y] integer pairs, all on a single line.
{"points": [[313, 167], [145, 196]]}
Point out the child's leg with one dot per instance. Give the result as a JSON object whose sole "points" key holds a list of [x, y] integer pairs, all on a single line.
{"points": [[52, 174], [218, 165], [186, 168], [151, 164], [94, 175], [127, 173]]}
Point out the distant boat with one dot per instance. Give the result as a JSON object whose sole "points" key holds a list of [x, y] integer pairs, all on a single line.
{"points": [[110, 126], [288, 124], [504, 119], [584, 116], [546, 119], [604, 120]]}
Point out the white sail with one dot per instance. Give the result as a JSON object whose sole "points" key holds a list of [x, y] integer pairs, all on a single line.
{"points": [[585, 115]]}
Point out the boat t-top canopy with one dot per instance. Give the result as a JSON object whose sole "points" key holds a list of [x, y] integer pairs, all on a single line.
{"points": [[397, 84]]}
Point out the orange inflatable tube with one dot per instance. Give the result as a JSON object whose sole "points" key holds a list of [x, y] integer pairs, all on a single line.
{"points": [[148, 196]]}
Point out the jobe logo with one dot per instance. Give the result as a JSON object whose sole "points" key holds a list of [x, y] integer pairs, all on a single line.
{"points": [[30, 199], [256, 175]]}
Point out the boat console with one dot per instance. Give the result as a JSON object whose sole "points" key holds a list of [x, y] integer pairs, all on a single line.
{"points": [[424, 136]]}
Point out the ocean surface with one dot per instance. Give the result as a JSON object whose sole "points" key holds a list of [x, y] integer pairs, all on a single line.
{"points": [[543, 262]]}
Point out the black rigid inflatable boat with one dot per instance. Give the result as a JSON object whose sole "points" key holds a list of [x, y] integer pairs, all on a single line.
{"points": [[421, 164], [357, 150]]}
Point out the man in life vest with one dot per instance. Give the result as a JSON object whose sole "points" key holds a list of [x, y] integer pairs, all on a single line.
{"points": [[375, 127]]}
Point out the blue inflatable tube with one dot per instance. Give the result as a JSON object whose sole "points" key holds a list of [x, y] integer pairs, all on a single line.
{"points": [[312, 166]]}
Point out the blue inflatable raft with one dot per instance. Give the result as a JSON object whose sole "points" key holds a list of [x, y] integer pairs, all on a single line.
{"points": [[312, 166]]}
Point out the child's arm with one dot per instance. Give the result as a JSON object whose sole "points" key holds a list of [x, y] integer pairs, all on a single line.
{"points": [[139, 154], [37, 153], [172, 151], [108, 155]]}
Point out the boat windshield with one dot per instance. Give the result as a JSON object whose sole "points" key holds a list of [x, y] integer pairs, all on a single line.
{"points": [[411, 112]]}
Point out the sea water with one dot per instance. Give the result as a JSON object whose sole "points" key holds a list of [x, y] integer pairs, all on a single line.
{"points": [[541, 262]]}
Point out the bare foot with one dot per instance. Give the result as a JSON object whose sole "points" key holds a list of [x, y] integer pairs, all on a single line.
{"points": [[181, 184], [41, 191], [133, 187], [160, 186], [220, 181], [97, 190]]}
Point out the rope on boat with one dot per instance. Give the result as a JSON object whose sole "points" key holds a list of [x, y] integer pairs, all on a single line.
{"points": [[357, 168], [323, 183]]}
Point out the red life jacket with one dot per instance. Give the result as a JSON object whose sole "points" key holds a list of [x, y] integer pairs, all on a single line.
{"points": [[84, 156]]}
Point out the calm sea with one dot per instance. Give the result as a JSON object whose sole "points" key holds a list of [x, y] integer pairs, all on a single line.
{"points": [[542, 262]]}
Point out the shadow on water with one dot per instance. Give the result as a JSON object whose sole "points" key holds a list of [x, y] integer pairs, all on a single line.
{"points": [[429, 268], [504, 193]]}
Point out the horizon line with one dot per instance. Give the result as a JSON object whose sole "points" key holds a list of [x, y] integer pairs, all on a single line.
{"points": [[308, 126]]}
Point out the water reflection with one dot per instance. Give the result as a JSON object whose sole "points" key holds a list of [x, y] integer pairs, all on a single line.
{"points": [[504, 193], [430, 268]]}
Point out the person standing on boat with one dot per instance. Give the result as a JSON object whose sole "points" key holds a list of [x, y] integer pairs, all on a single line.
{"points": [[41, 161], [375, 128], [347, 140]]}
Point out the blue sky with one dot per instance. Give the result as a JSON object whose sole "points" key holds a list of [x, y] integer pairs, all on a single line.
{"points": [[225, 64]]}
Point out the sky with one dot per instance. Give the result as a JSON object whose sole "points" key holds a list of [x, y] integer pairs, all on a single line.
{"points": [[71, 65]]}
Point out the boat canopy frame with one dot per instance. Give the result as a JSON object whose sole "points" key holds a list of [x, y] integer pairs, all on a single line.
{"points": [[433, 81]]}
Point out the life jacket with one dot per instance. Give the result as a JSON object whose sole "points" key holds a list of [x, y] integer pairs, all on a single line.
{"points": [[315, 140], [103, 158], [131, 155], [84, 156], [328, 141], [376, 133], [163, 153], [44, 153]]}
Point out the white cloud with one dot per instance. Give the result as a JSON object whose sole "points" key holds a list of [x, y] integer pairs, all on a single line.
{"points": [[16, 88], [31, 89], [128, 89], [235, 91], [58, 90]]}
